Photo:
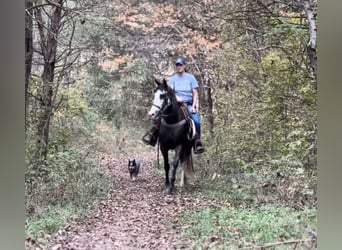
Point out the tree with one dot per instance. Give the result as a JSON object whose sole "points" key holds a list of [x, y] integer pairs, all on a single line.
{"points": [[28, 53], [52, 54], [48, 34], [311, 46]]}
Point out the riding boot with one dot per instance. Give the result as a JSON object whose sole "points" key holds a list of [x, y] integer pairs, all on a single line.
{"points": [[198, 146], [151, 137]]}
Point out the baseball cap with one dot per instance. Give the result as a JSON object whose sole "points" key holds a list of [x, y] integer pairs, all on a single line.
{"points": [[180, 60]]}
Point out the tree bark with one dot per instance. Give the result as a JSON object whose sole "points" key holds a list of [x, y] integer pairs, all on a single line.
{"points": [[49, 50], [28, 54], [210, 109], [311, 46]]}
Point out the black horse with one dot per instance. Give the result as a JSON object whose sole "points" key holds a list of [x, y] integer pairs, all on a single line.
{"points": [[175, 133]]}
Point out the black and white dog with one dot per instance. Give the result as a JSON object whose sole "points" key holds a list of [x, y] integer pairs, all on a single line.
{"points": [[133, 168]]}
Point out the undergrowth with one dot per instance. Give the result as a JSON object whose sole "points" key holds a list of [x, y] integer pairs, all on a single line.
{"points": [[255, 210], [69, 185], [47, 220], [70, 182], [235, 228]]}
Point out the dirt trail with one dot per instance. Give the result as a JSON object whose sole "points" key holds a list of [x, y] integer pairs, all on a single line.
{"points": [[136, 215]]}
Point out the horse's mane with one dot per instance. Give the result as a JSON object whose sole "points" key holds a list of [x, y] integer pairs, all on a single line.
{"points": [[172, 92]]}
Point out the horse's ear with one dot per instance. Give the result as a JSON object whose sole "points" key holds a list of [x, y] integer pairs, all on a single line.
{"points": [[164, 84], [157, 82]]}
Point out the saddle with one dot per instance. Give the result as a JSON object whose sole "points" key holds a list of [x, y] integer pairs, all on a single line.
{"points": [[192, 128], [151, 137]]}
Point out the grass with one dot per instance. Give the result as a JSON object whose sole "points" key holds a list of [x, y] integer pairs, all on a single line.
{"points": [[234, 228], [254, 218], [222, 188], [49, 220], [70, 189], [248, 217], [73, 184]]}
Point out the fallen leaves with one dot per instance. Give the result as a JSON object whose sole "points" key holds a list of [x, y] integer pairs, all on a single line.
{"points": [[136, 214]]}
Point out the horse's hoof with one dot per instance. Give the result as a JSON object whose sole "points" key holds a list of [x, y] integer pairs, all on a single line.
{"points": [[168, 191]]}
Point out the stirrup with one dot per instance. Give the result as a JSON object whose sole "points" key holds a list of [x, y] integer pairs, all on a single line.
{"points": [[149, 139], [198, 148]]}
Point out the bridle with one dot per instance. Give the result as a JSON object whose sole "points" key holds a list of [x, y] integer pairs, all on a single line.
{"points": [[158, 107], [163, 106], [162, 110]]}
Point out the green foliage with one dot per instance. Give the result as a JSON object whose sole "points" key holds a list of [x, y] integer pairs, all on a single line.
{"points": [[73, 122], [48, 221], [75, 103], [66, 179], [263, 147], [120, 98], [268, 182], [232, 228], [69, 184]]}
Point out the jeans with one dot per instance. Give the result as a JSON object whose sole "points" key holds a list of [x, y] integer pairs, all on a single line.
{"points": [[196, 118]]}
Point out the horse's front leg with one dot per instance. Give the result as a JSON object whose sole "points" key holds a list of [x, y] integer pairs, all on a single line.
{"points": [[167, 169], [175, 163]]}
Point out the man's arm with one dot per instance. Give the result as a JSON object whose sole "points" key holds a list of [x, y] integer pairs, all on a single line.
{"points": [[194, 100]]}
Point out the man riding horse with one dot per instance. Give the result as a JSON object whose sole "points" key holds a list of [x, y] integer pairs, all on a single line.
{"points": [[186, 88]]}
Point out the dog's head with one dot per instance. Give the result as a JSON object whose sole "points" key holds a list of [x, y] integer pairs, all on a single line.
{"points": [[132, 165], [133, 168]]}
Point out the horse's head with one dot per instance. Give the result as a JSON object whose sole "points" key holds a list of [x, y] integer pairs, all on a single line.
{"points": [[163, 98]]}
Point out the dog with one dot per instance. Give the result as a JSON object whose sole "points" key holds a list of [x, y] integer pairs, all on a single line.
{"points": [[133, 168]]}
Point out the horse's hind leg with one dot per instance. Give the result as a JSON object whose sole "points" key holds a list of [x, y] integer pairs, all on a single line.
{"points": [[183, 177], [186, 172]]}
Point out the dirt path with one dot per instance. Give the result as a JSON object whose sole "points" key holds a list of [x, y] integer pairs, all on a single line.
{"points": [[136, 215]]}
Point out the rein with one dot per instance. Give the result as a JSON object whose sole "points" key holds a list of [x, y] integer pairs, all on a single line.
{"points": [[158, 107]]}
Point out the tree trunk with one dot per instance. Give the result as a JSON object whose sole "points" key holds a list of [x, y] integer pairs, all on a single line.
{"points": [[311, 47], [210, 109], [49, 50], [28, 54]]}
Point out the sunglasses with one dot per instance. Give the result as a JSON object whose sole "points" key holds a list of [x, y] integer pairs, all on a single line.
{"points": [[178, 64]]}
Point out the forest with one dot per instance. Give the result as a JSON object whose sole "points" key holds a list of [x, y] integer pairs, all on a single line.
{"points": [[90, 70]]}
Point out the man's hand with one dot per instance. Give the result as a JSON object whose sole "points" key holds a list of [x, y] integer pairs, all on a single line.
{"points": [[193, 109], [179, 99]]}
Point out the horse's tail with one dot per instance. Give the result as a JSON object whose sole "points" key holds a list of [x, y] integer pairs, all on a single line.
{"points": [[189, 168]]}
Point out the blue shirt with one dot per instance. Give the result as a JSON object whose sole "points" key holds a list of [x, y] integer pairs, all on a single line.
{"points": [[183, 85]]}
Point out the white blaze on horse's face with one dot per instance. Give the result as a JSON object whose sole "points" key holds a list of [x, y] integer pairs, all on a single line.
{"points": [[157, 102]]}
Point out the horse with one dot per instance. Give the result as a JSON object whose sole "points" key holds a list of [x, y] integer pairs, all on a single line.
{"points": [[176, 132]]}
